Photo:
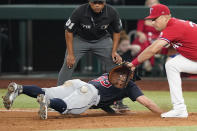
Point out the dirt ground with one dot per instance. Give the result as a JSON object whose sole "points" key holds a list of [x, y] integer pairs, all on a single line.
{"points": [[20, 120], [27, 120]]}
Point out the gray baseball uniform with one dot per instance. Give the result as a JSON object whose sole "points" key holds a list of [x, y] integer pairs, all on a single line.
{"points": [[78, 95]]}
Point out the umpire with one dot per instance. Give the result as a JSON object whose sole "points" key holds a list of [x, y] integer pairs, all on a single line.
{"points": [[86, 30]]}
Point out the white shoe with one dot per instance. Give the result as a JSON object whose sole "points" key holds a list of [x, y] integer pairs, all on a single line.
{"points": [[175, 113], [13, 92], [41, 99]]}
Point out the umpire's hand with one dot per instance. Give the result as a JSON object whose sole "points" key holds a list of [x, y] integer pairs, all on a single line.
{"points": [[116, 58], [70, 61]]}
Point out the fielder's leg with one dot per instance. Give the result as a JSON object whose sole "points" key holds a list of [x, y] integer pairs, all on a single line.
{"points": [[174, 67]]}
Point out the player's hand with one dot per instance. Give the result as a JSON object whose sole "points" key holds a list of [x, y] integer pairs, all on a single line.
{"points": [[116, 58], [131, 66], [70, 61]]}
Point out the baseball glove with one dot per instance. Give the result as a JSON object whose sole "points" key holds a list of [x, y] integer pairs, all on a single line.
{"points": [[120, 75]]}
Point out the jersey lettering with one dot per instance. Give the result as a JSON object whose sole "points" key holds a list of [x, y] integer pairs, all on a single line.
{"points": [[176, 45], [69, 24], [86, 26], [192, 24], [120, 22], [103, 80], [103, 27]]}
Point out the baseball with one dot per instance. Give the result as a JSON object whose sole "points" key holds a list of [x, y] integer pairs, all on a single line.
{"points": [[84, 89]]}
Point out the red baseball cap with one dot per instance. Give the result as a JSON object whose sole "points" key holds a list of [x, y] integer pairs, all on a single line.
{"points": [[158, 10]]}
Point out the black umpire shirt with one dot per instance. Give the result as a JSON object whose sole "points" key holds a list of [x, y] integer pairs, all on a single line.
{"points": [[92, 26]]}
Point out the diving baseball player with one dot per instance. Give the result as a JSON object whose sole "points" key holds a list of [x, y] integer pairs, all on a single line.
{"points": [[181, 35], [76, 96]]}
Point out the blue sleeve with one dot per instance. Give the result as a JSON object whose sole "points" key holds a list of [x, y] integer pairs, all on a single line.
{"points": [[133, 91]]}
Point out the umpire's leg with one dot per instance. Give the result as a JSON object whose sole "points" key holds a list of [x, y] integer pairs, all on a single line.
{"points": [[103, 49], [80, 48]]}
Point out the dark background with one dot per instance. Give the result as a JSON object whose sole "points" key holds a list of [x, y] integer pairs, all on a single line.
{"points": [[48, 36], [132, 2]]}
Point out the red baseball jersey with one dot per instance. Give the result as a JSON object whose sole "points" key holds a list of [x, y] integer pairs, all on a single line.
{"points": [[182, 35]]}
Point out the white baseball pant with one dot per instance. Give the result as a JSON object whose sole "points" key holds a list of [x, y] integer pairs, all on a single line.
{"points": [[174, 67]]}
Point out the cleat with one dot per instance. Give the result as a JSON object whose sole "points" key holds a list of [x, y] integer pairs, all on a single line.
{"points": [[175, 114], [13, 92], [119, 106], [41, 99]]}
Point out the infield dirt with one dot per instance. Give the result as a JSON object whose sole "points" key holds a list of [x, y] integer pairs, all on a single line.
{"points": [[28, 120]]}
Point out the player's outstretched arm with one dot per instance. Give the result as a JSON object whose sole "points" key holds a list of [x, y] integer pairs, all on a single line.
{"points": [[149, 104], [151, 50]]}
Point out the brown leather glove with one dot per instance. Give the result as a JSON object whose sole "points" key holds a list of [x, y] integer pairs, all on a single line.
{"points": [[120, 75]]}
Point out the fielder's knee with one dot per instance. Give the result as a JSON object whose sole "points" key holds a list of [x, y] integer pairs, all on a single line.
{"points": [[169, 64], [172, 66]]}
